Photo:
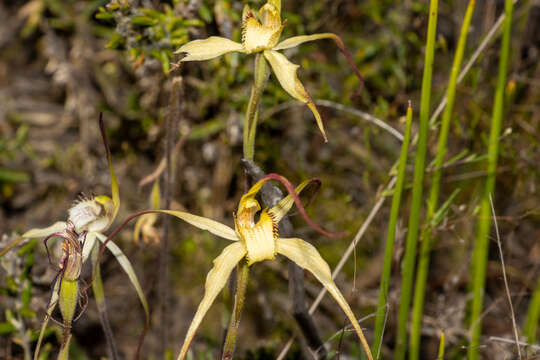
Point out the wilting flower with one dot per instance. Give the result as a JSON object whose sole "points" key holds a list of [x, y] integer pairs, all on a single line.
{"points": [[261, 33], [258, 240], [88, 218]]}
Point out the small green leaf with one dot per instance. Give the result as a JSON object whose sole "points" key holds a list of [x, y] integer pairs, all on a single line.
{"points": [[6, 328], [143, 21], [13, 176]]}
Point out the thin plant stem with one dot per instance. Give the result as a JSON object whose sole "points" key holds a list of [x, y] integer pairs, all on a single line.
{"points": [[505, 278], [407, 276], [250, 122], [481, 244], [533, 315], [232, 331], [170, 134], [260, 77], [440, 354], [424, 258], [382, 308], [99, 295]]}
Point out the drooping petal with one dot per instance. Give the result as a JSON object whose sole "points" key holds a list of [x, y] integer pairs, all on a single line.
{"points": [[285, 204], [128, 269], [88, 245], [306, 256], [215, 281], [212, 226], [286, 74], [43, 232], [297, 40], [214, 46]]}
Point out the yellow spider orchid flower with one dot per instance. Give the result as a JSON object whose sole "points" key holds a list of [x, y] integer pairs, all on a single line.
{"points": [[82, 232], [258, 240], [261, 33]]}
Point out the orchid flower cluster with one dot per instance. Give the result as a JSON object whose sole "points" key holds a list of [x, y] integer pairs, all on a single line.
{"points": [[81, 234], [255, 236]]}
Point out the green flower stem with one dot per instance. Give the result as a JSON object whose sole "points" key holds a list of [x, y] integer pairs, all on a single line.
{"points": [[440, 355], [232, 331], [97, 287], [69, 292], [390, 237], [407, 276], [424, 258], [533, 315], [252, 113], [481, 244]]}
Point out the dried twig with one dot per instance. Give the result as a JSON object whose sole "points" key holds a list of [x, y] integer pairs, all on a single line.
{"points": [[516, 336]]}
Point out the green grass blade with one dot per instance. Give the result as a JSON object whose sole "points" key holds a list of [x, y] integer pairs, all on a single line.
{"points": [[390, 237], [480, 252], [533, 315], [423, 262], [407, 276]]}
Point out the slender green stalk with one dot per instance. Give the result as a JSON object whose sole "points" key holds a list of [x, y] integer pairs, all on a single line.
{"points": [[407, 276], [250, 128], [481, 245], [250, 122], [533, 315], [440, 355], [99, 295], [424, 258], [380, 320], [232, 331]]}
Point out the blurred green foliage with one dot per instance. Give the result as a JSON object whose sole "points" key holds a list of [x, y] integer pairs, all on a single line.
{"points": [[145, 32]]}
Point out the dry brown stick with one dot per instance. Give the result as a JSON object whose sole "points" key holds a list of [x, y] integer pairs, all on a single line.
{"points": [[270, 196], [516, 336], [171, 125]]}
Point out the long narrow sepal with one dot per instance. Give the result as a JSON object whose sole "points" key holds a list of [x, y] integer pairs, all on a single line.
{"points": [[115, 192], [43, 232], [214, 46], [215, 281], [286, 74], [128, 269], [203, 223], [306, 256]]}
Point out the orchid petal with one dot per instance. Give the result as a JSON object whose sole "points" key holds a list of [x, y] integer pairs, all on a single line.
{"points": [[43, 232], [88, 245], [286, 74], [128, 269], [284, 205], [203, 223], [215, 281], [209, 48], [297, 40], [306, 256]]}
